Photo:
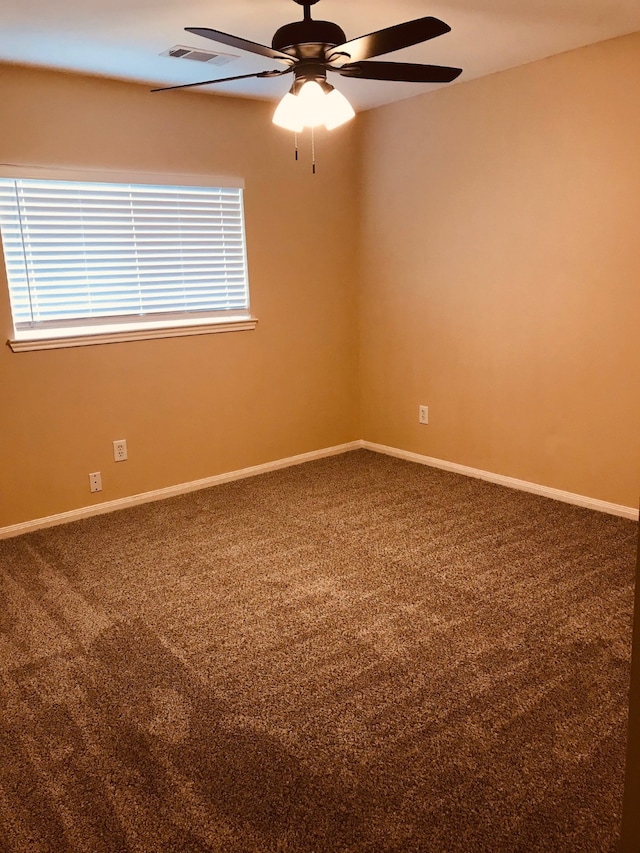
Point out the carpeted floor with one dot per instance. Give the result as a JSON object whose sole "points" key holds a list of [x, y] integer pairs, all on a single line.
{"points": [[358, 654]]}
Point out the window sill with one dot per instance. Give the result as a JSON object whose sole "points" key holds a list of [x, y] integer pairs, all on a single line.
{"points": [[89, 336]]}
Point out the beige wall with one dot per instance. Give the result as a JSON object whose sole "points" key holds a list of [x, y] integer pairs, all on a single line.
{"points": [[500, 273], [496, 227], [188, 407]]}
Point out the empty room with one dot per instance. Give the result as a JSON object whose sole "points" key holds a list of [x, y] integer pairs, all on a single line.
{"points": [[320, 426]]}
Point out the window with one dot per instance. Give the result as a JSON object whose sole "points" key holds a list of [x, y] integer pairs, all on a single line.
{"points": [[93, 261]]}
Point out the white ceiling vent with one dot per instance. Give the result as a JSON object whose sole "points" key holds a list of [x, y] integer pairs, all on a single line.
{"points": [[179, 51]]}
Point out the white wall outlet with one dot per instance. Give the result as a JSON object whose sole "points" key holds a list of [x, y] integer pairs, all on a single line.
{"points": [[120, 450], [95, 481], [423, 414]]}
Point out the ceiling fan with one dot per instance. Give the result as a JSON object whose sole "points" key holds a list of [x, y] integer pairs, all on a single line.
{"points": [[310, 48]]}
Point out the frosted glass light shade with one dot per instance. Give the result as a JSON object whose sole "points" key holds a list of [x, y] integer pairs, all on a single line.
{"points": [[337, 109], [312, 107], [311, 104], [287, 114]]}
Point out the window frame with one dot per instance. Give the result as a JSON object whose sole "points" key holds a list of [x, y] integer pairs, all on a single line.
{"points": [[62, 334]]}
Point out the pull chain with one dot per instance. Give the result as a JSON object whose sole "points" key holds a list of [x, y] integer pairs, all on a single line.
{"points": [[313, 149]]}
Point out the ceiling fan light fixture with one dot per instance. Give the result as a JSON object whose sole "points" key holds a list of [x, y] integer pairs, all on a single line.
{"points": [[287, 114], [338, 110], [312, 105]]}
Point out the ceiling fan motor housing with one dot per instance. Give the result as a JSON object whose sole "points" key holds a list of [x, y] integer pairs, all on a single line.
{"points": [[308, 39]]}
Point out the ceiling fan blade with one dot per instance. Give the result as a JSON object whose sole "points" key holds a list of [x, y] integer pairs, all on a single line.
{"points": [[405, 72], [239, 43], [392, 38], [225, 79]]}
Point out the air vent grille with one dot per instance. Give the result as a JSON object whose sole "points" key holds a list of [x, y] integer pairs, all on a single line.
{"points": [[180, 51]]}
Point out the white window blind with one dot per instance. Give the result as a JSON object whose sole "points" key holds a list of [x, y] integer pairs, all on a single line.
{"points": [[85, 253]]}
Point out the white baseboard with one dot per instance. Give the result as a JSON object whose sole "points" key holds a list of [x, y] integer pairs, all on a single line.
{"points": [[243, 473], [510, 482], [172, 491]]}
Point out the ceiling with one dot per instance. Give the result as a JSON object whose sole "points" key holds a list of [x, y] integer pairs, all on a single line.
{"points": [[124, 38]]}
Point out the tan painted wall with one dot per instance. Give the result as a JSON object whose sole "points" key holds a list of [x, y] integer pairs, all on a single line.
{"points": [[500, 264], [188, 407], [499, 273]]}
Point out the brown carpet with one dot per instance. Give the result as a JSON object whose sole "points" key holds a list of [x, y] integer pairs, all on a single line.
{"points": [[358, 654]]}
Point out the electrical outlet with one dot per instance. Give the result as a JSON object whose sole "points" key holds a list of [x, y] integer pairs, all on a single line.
{"points": [[95, 481], [423, 414], [120, 450]]}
